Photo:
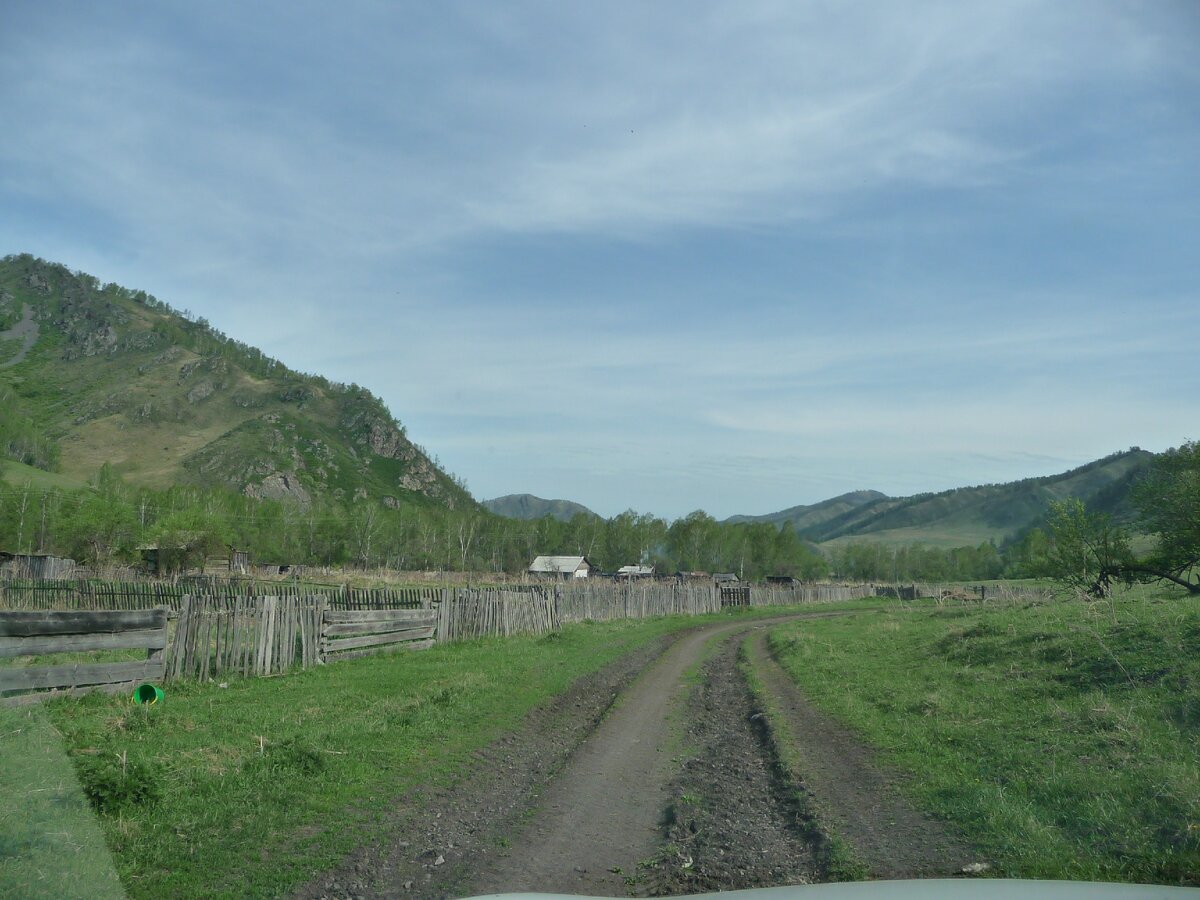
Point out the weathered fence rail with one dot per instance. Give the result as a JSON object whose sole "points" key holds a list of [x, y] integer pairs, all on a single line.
{"points": [[25, 633], [346, 634]]}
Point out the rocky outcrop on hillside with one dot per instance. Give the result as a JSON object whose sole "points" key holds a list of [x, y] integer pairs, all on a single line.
{"points": [[279, 486]]}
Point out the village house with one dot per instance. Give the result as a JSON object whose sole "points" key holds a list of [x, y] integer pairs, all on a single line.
{"points": [[561, 567]]}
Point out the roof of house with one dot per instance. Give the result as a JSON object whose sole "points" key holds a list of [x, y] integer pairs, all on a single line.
{"points": [[636, 570], [559, 564]]}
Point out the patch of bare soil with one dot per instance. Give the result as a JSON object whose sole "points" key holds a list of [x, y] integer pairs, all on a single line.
{"points": [[852, 793], [735, 820], [436, 840], [26, 331]]}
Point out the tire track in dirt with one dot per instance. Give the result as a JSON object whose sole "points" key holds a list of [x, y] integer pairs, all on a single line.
{"points": [[736, 819], [601, 816], [851, 793]]}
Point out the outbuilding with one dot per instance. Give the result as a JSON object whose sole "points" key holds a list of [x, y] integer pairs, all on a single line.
{"points": [[635, 572], [561, 566], [36, 565]]}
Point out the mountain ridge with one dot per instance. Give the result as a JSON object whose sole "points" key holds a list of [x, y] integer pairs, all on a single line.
{"points": [[528, 507], [975, 514]]}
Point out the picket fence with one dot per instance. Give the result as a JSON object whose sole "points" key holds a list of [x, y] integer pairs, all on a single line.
{"points": [[90, 594]]}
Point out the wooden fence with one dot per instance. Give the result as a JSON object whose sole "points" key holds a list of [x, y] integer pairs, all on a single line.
{"points": [[466, 613], [43, 633], [24, 593], [346, 634], [244, 635], [584, 599], [230, 628], [216, 636]]}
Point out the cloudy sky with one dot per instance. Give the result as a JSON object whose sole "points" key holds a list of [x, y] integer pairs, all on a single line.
{"points": [[668, 256]]}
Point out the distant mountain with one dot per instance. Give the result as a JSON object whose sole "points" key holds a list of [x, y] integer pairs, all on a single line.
{"points": [[973, 515], [805, 518], [93, 374], [527, 506]]}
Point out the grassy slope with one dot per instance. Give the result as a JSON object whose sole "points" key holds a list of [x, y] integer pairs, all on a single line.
{"points": [[17, 475], [809, 517], [342, 742], [121, 382], [1064, 739]]}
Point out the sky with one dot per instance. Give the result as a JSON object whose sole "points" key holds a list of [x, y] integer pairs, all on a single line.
{"points": [[663, 256]]}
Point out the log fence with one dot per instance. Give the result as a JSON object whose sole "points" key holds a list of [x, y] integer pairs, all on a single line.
{"points": [[346, 634], [38, 633]]}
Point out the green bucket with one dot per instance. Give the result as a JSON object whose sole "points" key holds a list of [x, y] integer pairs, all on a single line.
{"points": [[147, 693]]}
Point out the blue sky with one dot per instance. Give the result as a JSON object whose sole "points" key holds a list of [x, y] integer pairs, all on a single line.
{"points": [[668, 256]]}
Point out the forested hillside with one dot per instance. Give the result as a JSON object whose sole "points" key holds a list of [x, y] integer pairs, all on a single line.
{"points": [[114, 376], [991, 512]]}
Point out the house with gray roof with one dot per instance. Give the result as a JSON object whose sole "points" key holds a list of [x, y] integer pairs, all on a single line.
{"points": [[561, 566]]}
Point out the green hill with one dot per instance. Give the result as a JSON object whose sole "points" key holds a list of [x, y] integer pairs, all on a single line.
{"points": [[808, 518], [993, 512], [93, 374], [528, 507], [965, 516]]}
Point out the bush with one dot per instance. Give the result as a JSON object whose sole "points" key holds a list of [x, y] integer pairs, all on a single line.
{"points": [[113, 782]]}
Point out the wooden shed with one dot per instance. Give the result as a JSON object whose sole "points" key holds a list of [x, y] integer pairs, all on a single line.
{"points": [[36, 565]]}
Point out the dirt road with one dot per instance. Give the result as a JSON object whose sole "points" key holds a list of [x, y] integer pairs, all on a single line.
{"points": [[602, 815], [673, 788]]}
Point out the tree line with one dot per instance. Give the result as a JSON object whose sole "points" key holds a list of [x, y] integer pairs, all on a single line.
{"points": [[1091, 552], [104, 524]]}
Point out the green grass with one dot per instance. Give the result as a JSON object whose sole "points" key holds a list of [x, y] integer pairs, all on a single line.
{"points": [[252, 789], [1064, 739], [50, 843], [18, 474]]}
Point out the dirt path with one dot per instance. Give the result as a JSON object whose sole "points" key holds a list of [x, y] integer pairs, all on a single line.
{"points": [[601, 817], [27, 332], [852, 794], [673, 788], [735, 819]]}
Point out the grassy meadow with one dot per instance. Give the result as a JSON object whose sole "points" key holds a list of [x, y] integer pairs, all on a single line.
{"points": [[1062, 738]]}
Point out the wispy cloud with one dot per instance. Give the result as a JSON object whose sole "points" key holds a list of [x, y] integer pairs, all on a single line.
{"points": [[601, 253]]}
